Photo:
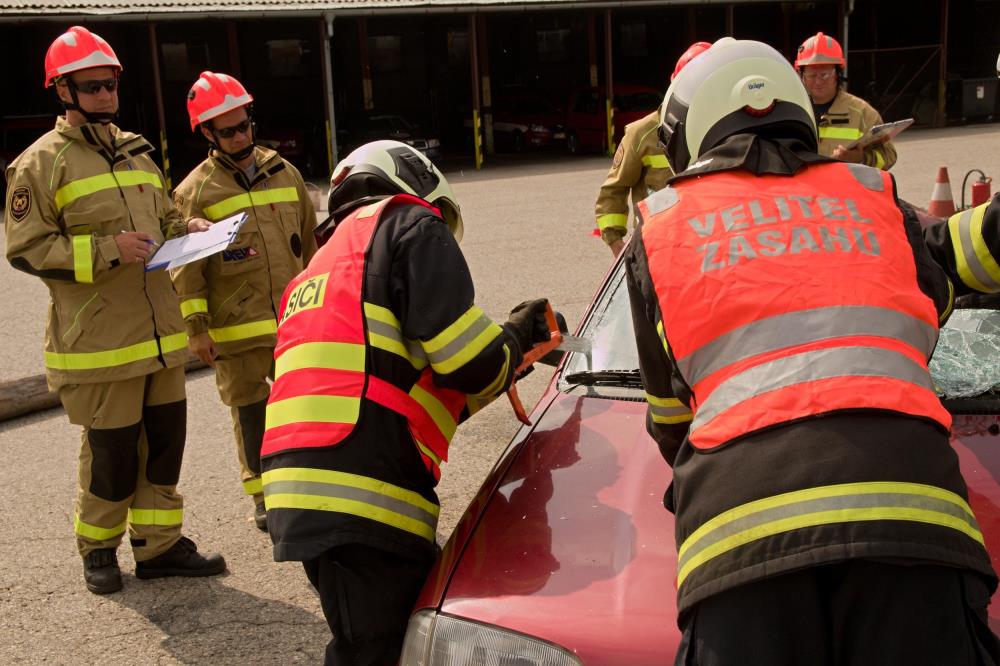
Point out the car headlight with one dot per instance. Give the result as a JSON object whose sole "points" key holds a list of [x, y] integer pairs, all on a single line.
{"points": [[433, 143], [433, 639], [538, 128]]}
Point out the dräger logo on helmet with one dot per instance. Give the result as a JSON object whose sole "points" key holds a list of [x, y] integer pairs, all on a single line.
{"points": [[755, 85]]}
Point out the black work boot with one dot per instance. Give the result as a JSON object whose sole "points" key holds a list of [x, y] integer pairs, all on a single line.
{"points": [[100, 570], [181, 559], [260, 516]]}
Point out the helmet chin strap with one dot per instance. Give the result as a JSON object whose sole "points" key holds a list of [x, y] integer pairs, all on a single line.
{"points": [[101, 117], [241, 155]]}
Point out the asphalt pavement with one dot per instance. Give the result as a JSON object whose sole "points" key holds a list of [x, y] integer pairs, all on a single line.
{"points": [[527, 235]]}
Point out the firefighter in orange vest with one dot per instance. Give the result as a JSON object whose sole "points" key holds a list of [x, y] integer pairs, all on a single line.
{"points": [[841, 117], [86, 204], [381, 353], [638, 169], [785, 308], [229, 300]]}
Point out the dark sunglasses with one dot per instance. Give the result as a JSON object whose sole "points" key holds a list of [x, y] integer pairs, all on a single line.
{"points": [[93, 86], [230, 132]]}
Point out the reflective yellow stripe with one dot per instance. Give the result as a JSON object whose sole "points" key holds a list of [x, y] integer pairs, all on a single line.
{"points": [[462, 341], [384, 332], [115, 357], [194, 306], [612, 220], [70, 192], [164, 517], [253, 486], [840, 133], [879, 160], [83, 258], [976, 266], [325, 355], [351, 480], [97, 533], [494, 387], [312, 409], [243, 331], [844, 503], [663, 336], [951, 303], [656, 161], [248, 199], [349, 506], [668, 410], [442, 418], [430, 454]]}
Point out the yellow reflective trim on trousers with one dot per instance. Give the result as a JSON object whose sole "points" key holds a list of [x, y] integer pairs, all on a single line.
{"points": [[442, 418], [194, 306], [353, 481], [914, 491], [352, 507], [163, 517], [840, 133], [656, 161], [313, 409], [76, 189], [115, 357], [253, 486], [252, 329], [96, 533], [83, 258], [612, 220], [249, 199], [323, 355]]}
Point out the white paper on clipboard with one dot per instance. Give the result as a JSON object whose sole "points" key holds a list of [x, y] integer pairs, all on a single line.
{"points": [[192, 247], [880, 134]]}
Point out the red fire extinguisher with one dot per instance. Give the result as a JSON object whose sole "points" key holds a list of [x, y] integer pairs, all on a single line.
{"points": [[980, 188]]}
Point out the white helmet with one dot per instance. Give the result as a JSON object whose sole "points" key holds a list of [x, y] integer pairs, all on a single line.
{"points": [[736, 86], [383, 168], [998, 66]]}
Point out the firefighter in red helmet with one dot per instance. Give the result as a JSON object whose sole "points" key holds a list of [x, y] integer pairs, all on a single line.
{"points": [[639, 168], [230, 300], [840, 117], [86, 205]]}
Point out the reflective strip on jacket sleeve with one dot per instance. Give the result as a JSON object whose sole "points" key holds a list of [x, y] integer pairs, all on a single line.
{"points": [[385, 333], [655, 161], [976, 266], [194, 306], [115, 357], [824, 505], [83, 258], [840, 133], [251, 329], [249, 199], [668, 410], [612, 220], [76, 189], [461, 342], [341, 492]]}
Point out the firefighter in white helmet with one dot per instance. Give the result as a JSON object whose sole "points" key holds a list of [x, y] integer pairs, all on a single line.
{"points": [[230, 300], [821, 517], [381, 353], [85, 207]]}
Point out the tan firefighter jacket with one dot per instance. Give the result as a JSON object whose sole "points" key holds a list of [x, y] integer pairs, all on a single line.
{"points": [[639, 168], [849, 118], [67, 197], [235, 294]]}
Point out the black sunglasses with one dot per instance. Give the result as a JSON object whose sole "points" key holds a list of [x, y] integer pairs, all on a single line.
{"points": [[93, 86], [230, 132]]}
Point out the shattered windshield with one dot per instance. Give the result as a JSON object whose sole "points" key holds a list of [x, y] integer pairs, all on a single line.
{"points": [[966, 362]]}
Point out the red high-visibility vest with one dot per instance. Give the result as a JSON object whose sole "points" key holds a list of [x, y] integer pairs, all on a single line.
{"points": [[321, 358], [784, 298]]}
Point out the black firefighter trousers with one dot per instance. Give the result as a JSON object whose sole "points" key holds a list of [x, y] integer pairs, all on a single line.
{"points": [[854, 613], [367, 595]]}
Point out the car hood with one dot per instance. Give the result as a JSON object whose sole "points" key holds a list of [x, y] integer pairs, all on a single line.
{"points": [[574, 545]]}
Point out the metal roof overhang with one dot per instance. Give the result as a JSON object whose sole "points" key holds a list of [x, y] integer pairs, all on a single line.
{"points": [[28, 12]]}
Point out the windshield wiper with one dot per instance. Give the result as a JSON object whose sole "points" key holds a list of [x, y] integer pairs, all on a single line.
{"points": [[605, 378]]}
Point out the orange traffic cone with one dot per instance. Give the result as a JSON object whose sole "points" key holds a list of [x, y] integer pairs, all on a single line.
{"points": [[942, 202]]}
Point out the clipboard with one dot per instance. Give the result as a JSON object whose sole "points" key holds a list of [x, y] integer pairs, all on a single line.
{"points": [[192, 247], [880, 134]]}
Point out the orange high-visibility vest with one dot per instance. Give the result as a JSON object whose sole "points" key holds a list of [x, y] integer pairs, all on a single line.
{"points": [[322, 355], [784, 298]]}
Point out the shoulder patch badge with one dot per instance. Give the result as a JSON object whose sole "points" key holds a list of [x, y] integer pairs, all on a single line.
{"points": [[619, 156], [20, 203]]}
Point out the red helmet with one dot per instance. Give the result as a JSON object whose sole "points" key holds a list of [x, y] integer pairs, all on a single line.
{"points": [[76, 49], [214, 94], [820, 49], [693, 52]]}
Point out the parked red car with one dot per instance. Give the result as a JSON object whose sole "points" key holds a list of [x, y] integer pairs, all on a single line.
{"points": [[524, 120], [566, 556], [586, 116]]}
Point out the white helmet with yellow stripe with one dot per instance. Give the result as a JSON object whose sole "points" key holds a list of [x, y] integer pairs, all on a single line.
{"points": [[388, 167]]}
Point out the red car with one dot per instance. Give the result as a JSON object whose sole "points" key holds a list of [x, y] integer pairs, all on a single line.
{"points": [[566, 556], [586, 116], [525, 120]]}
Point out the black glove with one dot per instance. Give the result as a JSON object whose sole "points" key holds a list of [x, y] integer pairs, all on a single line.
{"points": [[527, 323]]}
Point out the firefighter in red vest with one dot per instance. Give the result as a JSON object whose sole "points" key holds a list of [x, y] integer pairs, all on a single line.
{"points": [[785, 307], [381, 353]]}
